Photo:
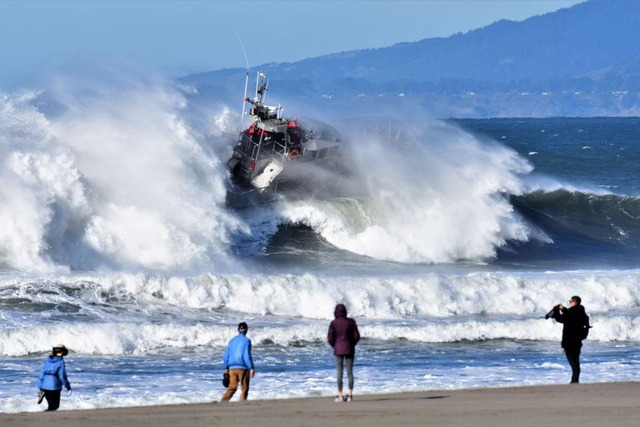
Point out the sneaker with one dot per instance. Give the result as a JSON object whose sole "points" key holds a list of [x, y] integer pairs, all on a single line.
{"points": [[349, 398], [339, 399], [40, 397]]}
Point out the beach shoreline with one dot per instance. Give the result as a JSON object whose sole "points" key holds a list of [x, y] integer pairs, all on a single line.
{"points": [[587, 405]]}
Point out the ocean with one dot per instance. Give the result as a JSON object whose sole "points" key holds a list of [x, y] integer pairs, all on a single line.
{"points": [[116, 242]]}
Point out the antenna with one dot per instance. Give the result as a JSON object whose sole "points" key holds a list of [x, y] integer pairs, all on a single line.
{"points": [[246, 80], [244, 98]]}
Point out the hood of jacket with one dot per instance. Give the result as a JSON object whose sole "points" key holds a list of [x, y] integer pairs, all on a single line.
{"points": [[340, 311]]}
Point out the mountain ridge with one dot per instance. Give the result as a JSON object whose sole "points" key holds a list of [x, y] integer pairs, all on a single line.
{"points": [[583, 59]]}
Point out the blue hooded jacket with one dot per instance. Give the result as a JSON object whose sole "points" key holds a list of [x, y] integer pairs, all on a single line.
{"points": [[238, 353], [53, 374]]}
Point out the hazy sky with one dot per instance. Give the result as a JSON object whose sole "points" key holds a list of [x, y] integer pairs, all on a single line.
{"points": [[180, 37]]}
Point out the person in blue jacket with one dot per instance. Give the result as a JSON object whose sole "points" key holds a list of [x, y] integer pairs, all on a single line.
{"points": [[238, 363], [53, 376]]}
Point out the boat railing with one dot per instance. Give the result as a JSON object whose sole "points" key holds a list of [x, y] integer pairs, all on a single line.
{"points": [[255, 149]]}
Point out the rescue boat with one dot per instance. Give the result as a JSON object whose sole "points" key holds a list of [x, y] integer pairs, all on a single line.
{"points": [[277, 156]]}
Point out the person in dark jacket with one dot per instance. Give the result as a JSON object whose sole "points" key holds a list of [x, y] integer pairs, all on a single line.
{"points": [[238, 363], [343, 336], [53, 376], [575, 321]]}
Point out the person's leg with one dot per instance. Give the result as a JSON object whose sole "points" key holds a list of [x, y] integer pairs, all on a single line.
{"points": [[245, 378], [573, 356], [339, 363], [234, 378], [349, 360], [53, 399]]}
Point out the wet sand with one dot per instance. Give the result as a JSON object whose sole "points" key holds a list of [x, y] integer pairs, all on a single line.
{"points": [[584, 405]]}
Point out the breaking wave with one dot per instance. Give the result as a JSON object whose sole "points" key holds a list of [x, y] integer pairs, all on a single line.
{"points": [[607, 218], [126, 178], [440, 197], [135, 314], [131, 177], [133, 338], [116, 179]]}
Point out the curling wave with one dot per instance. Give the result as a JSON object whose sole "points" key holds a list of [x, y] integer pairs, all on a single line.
{"points": [[607, 218]]}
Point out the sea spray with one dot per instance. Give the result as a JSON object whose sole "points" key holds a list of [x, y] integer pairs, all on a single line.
{"points": [[35, 176], [115, 179], [438, 196]]}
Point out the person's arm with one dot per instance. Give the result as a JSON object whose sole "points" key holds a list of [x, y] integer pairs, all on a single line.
{"points": [[41, 377], [246, 356], [356, 333], [225, 359], [62, 374], [248, 359], [331, 335], [556, 313]]}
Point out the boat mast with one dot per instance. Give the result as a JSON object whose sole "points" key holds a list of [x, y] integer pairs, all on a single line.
{"points": [[265, 85], [262, 85]]}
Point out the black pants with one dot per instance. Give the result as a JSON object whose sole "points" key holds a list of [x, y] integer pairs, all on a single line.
{"points": [[53, 399], [573, 356], [339, 362]]}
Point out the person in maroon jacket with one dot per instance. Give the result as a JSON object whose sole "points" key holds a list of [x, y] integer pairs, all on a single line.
{"points": [[343, 336]]}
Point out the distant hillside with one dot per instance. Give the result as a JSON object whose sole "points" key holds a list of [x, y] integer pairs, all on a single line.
{"points": [[583, 60]]}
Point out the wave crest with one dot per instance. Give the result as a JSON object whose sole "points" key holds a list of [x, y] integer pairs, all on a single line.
{"points": [[115, 178], [438, 197]]}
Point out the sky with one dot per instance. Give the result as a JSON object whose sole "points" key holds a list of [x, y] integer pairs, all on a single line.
{"points": [[176, 38]]}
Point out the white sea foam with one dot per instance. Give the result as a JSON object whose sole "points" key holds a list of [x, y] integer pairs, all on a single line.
{"points": [[134, 314], [135, 338], [313, 296], [118, 178], [548, 184], [439, 198], [115, 179]]}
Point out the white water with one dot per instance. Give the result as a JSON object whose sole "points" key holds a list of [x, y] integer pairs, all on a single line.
{"points": [[441, 199], [116, 242], [125, 177], [116, 180], [135, 314]]}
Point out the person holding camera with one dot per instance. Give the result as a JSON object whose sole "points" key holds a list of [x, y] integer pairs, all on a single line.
{"points": [[575, 329]]}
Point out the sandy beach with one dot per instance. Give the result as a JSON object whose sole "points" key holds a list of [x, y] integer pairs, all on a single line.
{"points": [[585, 405]]}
